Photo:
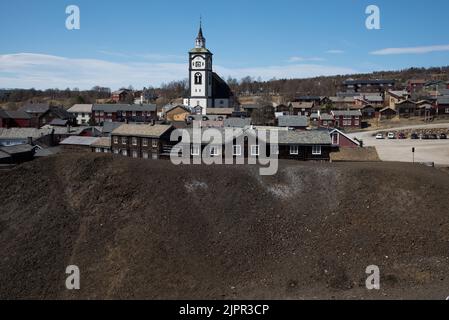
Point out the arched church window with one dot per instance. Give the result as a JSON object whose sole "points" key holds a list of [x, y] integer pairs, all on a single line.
{"points": [[198, 78]]}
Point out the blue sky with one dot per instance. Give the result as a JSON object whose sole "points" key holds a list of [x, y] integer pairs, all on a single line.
{"points": [[141, 43]]}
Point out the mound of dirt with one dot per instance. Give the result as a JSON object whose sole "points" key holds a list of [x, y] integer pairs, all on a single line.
{"points": [[151, 230]]}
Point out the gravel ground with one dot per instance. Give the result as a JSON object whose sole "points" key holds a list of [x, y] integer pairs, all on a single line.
{"points": [[436, 151], [149, 230]]}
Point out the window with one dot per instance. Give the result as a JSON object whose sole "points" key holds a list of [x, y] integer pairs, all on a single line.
{"points": [[124, 153], [316, 150], [134, 114], [105, 150], [195, 151], [198, 78], [446, 110], [135, 155], [124, 140], [115, 140], [134, 141], [214, 151], [145, 142], [335, 138], [255, 150], [294, 150], [98, 150], [145, 155], [116, 151], [155, 143], [154, 156], [237, 150]]}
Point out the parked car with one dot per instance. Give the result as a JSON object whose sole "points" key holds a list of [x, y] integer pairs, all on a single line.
{"points": [[433, 136], [425, 136], [379, 136], [391, 135], [402, 136], [443, 136], [414, 136]]}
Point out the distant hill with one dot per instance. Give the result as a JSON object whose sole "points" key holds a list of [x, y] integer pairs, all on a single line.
{"points": [[285, 89]]}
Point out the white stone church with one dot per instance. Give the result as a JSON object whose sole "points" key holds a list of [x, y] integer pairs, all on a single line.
{"points": [[207, 89]]}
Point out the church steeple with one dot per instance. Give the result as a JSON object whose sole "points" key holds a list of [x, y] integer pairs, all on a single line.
{"points": [[200, 41]]}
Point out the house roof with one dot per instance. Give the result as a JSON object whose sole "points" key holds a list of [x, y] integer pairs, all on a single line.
{"points": [[187, 109], [14, 114], [220, 111], [35, 108], [316, 98], [387, 108], [78, 141], [103, 142], [350, 99], [16, 149], [124, 107], [24, 133], [398, 93], [302, 105], [81, 108], [108, 127], [237, 122], [293, 121], [317, 137], [348, 113], [373, 98], [404, 102], [326, 117], [143, 130], [58, 122]]}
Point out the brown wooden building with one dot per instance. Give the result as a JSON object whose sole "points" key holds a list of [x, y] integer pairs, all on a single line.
{"points": [[142, 141]]}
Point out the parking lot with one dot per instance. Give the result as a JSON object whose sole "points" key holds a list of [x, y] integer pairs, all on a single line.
{"points": [[436, 151]]}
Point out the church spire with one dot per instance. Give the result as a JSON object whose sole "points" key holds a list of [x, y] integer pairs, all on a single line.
{"points": [[200, 41]]}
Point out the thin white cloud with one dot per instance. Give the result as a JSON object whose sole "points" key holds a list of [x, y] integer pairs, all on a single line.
{"points": [[302, 59], [286, 72], [146, 56], [41, 71], [335, 51], [411, 50]]}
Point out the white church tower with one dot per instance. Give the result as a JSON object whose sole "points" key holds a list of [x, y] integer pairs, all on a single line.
{"points": [[200, 75]]}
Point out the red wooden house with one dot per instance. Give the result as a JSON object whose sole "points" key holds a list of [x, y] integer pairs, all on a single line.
{"points": [[15, 119]]}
